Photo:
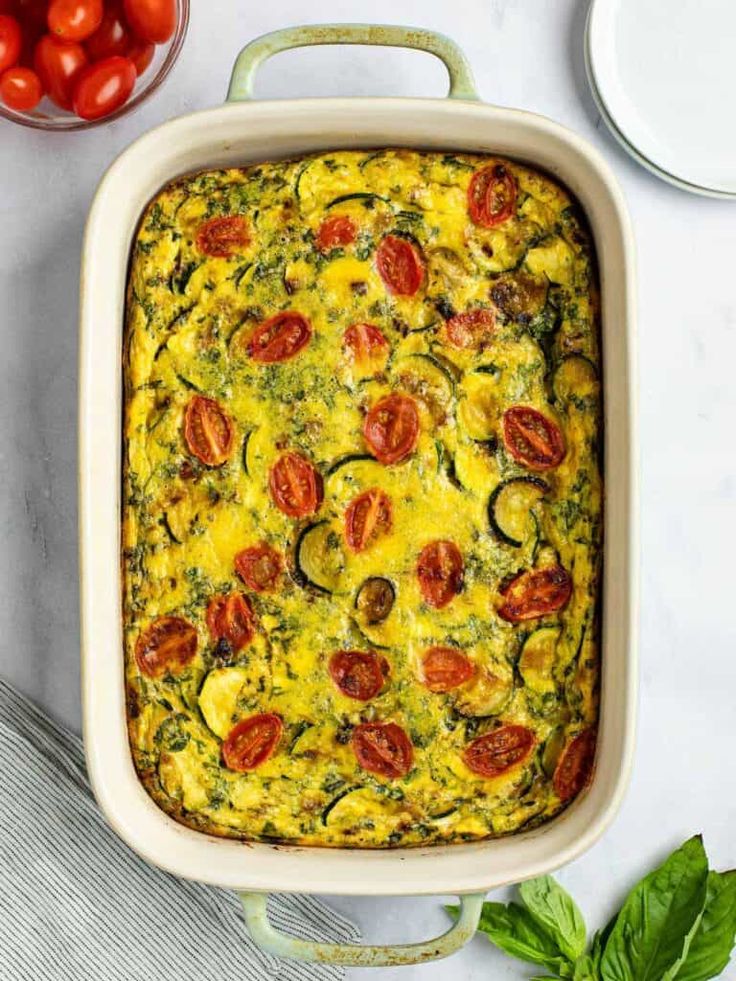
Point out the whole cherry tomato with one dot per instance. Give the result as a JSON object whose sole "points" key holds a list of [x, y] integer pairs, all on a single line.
{"points": [[152, 20], [74, 20], [9, 7], [114, 37], [11, 40], [21, 89], [58, 66], [103, 87]]}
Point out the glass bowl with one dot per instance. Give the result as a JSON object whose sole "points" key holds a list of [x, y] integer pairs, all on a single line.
{"points": [[49, 116]]}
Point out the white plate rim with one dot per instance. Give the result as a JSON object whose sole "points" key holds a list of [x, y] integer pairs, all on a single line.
{"points": [[620, 137]]}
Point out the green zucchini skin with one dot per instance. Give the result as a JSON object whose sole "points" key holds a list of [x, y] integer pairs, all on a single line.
{"points": [[345, 460], [495, 497]]}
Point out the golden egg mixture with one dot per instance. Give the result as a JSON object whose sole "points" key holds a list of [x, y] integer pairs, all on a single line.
{"points": [[362, 499]]}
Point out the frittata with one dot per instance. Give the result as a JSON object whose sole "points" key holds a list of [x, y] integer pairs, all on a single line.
{"points": [[362, 499]]}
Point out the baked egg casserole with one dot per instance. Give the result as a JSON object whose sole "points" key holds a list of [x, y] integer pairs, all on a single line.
{"points": [[362, 499]]}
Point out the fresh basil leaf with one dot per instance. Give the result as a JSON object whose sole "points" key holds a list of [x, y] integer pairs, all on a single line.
{"points": [[586, 969], [710, 948], [650, 933], [513, 930], [555, 911]]}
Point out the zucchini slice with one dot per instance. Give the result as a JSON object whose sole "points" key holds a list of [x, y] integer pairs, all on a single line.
{"points": [[510, 509], [319, 558], [344, 460], [335, 801], [430, 380], [552, 750], [488, 695], [575, 382], [365, 196], [218, 697], [375, 600], [478, 411], [537, 660]]}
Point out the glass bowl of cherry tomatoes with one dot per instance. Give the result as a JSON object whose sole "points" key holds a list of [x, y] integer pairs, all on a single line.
{"points": [[72, 64]]}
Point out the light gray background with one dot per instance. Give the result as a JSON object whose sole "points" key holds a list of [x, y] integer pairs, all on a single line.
{"points": [[528, 54]]}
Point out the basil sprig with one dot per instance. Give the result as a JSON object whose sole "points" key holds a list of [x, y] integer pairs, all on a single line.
{"points": [[677, 924]]}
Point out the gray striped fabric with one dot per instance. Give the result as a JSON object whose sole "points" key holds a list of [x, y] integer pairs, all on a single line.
{"points": [[76, 904]]}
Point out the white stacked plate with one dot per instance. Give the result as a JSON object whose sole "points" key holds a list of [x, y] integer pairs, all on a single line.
{"points": [[663, 75]]}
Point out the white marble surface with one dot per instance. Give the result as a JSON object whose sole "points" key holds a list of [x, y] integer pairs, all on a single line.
{"points": [[525, 53]]}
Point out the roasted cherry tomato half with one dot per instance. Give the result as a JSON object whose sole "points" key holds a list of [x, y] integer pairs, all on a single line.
{"points": [[383, 748], [296, 487], [440, 572], [366, 344], [336, 231], [103, 87], [208, 430], [11, 41], [224, 236], [445, 668], [259, 566], [532, 439], [472, 329], [74, 20], [166, 645], [535, 593], [367, 517], [400, 265], [59, 65], [491, 195], [358, 674], [280, 338], [152, 20], [497, 751], [231, 618], [20, 89], [575, 767], [391, 428], [251, 742]]}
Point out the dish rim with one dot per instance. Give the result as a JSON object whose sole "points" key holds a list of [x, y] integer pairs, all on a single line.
{"points": [[250, 132]]}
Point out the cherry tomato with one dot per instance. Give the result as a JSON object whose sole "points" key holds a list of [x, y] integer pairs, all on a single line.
{"points": [[259, 566], [74, 20], [474, 328], [152, 20], [535, 593], [141, 54], [445, 668], [383, 748], [296, 487], [208, 431], [358, 674], [166, 645], [11, 41], [224, 236], [366, 344], [59, 65], [400, 265], [112, 37], [367, 517], [230, 618], [491, 195], [440, 572], [575, 767], [103, 87], [497, 751], [532, 439], [336, 231], [33, 14], [9, 7], [280, 337], [391, 428], [21, 89], [251, 742]]}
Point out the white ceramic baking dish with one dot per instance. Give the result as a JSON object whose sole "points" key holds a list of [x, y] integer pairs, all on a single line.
{"points": [[235, 134]]}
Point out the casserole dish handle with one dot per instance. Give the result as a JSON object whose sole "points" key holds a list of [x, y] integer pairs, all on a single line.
{"points": [[462, 85], [352, 955]]}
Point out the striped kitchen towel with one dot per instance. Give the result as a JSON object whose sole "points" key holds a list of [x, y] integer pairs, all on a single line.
{"points": [[76, 904]]}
